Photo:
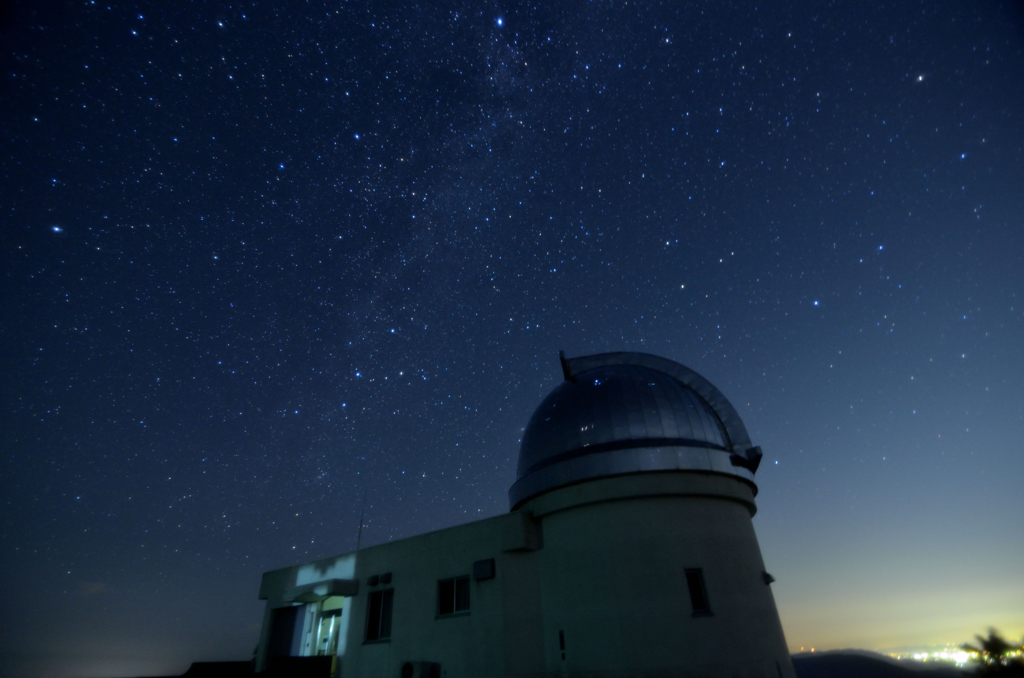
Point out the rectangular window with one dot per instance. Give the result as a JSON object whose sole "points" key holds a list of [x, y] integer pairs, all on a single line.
{"points": [[698, 593], [452, 596], [378, 616]]}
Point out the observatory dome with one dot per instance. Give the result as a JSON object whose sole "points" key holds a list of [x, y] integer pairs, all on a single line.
{"points": [[619, 413]]}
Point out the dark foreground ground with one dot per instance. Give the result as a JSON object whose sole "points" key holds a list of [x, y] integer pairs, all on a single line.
{"points": [[838, 664], [860, 664]]}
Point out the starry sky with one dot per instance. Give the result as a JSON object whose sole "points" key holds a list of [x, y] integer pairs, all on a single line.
{"points": [[262, 263]]}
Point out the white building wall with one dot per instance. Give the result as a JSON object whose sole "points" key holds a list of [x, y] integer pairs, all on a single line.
{"points": [[613, 583], [601, 561]]}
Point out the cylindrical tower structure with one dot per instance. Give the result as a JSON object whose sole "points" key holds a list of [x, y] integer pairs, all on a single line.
{"points": [[641, 474]]}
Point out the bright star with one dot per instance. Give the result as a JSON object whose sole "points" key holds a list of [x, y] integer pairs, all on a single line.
{"points": [[500, 21]]}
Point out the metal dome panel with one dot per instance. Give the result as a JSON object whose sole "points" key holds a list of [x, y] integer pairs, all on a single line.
{"points": [[622, 413], [617, 407]]}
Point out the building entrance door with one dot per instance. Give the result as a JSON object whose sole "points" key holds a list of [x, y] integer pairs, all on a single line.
{"points": [[329, 626]]}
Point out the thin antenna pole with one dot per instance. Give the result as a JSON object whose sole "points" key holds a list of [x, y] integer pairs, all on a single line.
{"points": [[362, 513]]}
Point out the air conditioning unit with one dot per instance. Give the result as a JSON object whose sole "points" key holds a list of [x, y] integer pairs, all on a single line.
{"points": [[420, 670]]}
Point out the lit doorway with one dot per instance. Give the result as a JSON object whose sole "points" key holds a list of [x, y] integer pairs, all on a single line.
{"points": [[328, 628]]}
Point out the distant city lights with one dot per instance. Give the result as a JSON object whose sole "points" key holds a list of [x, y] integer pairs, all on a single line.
{"points": [[956, 655], [959, 656]]}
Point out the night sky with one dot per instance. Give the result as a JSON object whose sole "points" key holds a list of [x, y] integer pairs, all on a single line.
{"points": [[263, 262]]}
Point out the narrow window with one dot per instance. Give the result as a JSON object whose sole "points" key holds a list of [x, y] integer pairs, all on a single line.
{"points": [[378, 616], [452, 596], [698, 593]]}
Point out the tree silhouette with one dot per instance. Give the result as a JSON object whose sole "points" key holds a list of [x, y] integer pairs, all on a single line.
{"points": [[996, 657]]}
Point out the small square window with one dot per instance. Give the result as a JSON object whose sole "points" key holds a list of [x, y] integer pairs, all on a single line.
{"points": [[378, 615], [452, 596], [698, 592]]}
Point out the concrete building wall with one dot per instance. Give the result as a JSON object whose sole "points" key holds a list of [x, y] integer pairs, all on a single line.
{"points": [[599, 565], [614, 586], [524, 646], [464, 644]]}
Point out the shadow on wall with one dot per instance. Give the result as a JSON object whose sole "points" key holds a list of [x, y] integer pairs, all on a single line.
{"points": [[840, 664], [280, 667]]}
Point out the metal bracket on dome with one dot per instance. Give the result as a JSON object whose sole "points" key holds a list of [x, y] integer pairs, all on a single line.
{"points": [[750, 461], [738, 438]]}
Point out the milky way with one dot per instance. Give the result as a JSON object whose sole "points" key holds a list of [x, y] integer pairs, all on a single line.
{"points": [[265, 262]]}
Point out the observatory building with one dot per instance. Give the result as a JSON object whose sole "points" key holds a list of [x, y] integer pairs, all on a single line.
{"points": [[628, 550]]}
